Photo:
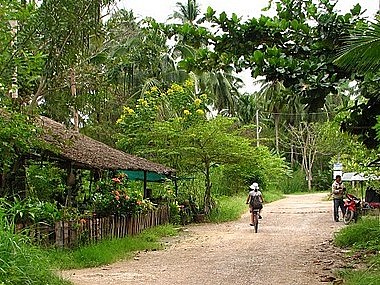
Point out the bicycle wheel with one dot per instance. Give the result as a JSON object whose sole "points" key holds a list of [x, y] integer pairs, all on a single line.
{"points": [[256, 222], [348, 217]]}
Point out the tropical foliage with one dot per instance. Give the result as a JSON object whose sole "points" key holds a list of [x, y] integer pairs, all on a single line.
{"points": [[118, 80], [188, 140], [170, 92]]}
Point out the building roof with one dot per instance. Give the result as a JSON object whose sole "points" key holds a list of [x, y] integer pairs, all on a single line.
{"points": [[85, 152]]}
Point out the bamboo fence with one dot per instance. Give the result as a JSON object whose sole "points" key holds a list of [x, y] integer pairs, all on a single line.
{"points": [[66, 234]]}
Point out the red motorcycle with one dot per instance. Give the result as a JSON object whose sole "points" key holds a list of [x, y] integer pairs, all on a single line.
{"points": [[353, 208]]}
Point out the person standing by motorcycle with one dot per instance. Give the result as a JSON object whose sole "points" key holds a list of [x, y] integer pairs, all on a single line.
{"points": [[338, 190]]}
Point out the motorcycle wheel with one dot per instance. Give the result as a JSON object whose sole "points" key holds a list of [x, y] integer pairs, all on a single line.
{"points": [[348, 217]]}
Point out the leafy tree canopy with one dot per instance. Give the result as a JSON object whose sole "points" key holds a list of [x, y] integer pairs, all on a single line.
{"points": [[171, 127], [296, 47]]}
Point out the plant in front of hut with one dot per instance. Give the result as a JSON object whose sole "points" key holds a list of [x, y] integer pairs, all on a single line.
{"points": [[114, 197]]}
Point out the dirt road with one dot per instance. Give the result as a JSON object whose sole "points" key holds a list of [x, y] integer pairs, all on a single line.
{"points": [[286, 250]]}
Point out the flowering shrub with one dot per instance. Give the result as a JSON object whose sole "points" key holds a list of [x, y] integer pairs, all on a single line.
{"points": [[114, 197], [178, 103]]}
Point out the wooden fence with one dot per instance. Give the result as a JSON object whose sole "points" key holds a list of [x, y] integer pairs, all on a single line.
{"points": [[71, 233]]}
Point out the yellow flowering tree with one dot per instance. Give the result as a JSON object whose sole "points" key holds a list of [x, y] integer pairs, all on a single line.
{"points": [[171, 127], [140, 120]]}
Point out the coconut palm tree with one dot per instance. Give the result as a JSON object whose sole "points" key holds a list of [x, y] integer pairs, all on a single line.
{"points": [[275, 96], [222, 87], [362, 50], [187, 13]]}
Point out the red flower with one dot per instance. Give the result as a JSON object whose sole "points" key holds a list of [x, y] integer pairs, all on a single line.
{"points": [[116, 180], [139, 202]]}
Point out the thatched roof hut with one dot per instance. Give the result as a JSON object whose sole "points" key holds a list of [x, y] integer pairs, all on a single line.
{"points": [[85, 152]]}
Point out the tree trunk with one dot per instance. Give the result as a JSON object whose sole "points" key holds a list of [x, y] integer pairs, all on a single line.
{"points": [[74, 94], [207, 198], [38, 94], [292, 155], [309, 180], [276, 127]]}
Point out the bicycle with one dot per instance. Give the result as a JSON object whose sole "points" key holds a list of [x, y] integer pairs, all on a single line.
{"points": [[255, 214]]}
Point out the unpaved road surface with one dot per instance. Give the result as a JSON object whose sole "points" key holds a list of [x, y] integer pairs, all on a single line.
{"points": [[288, 249]]}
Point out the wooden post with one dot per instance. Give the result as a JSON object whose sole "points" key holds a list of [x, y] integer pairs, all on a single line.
{"points": [[145, 184], [176, 186]]}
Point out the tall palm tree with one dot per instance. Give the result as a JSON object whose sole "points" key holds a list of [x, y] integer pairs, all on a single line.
{"points": [[275, 96], [362, 50], [187, 13], [222, 87]]}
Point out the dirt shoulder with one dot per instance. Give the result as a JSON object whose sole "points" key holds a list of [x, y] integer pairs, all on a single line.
{"points": [[291, 247]]}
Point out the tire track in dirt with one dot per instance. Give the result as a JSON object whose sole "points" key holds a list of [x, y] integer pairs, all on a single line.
{"points": [[286, 250]]}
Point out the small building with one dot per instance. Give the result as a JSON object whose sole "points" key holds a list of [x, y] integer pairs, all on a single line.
{"points": [[73, 150]]}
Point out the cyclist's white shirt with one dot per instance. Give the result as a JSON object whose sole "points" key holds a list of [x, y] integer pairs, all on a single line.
{"points": [[254, 193]]}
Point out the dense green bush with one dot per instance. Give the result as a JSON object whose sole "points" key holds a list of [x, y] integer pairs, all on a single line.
{"points": [[322, 180], [30, 210], [363, 235], [46, 182], [294, 183]]}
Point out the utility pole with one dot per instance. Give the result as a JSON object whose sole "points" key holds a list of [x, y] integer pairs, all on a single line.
{"points": [[257, 129], [13, 92]]}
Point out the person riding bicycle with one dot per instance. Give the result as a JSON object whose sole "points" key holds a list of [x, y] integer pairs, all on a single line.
{"points": [[255, 200]]}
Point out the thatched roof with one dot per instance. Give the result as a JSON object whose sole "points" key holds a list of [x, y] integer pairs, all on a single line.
{"points": [[85, 152]]}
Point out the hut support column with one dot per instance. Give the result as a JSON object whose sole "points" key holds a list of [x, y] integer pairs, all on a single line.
{"points": [[176, 186], [145, 184]]}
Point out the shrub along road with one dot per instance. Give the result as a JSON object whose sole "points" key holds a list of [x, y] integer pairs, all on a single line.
{"points": [[291, 247]]}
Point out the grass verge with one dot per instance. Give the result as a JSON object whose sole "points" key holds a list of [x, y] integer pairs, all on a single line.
{"points": [[228, 208], [272, 196], [369, 276], [109, 251], [364, 235], [22, 263]]}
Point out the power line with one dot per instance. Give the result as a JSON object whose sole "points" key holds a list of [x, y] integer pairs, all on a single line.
{"points": [[299, 114]]}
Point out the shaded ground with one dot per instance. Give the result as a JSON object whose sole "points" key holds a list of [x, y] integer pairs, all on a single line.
{"points": [[291, 247]]}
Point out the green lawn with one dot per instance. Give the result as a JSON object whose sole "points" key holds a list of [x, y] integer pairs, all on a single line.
{"points": [[109, 251]]}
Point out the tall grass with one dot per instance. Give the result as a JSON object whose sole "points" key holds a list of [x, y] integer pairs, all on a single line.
{"points": [[272, 195], [295, 184], [21, 263], [228, 208], [370, 276], [364, 235], [109, 251]]}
